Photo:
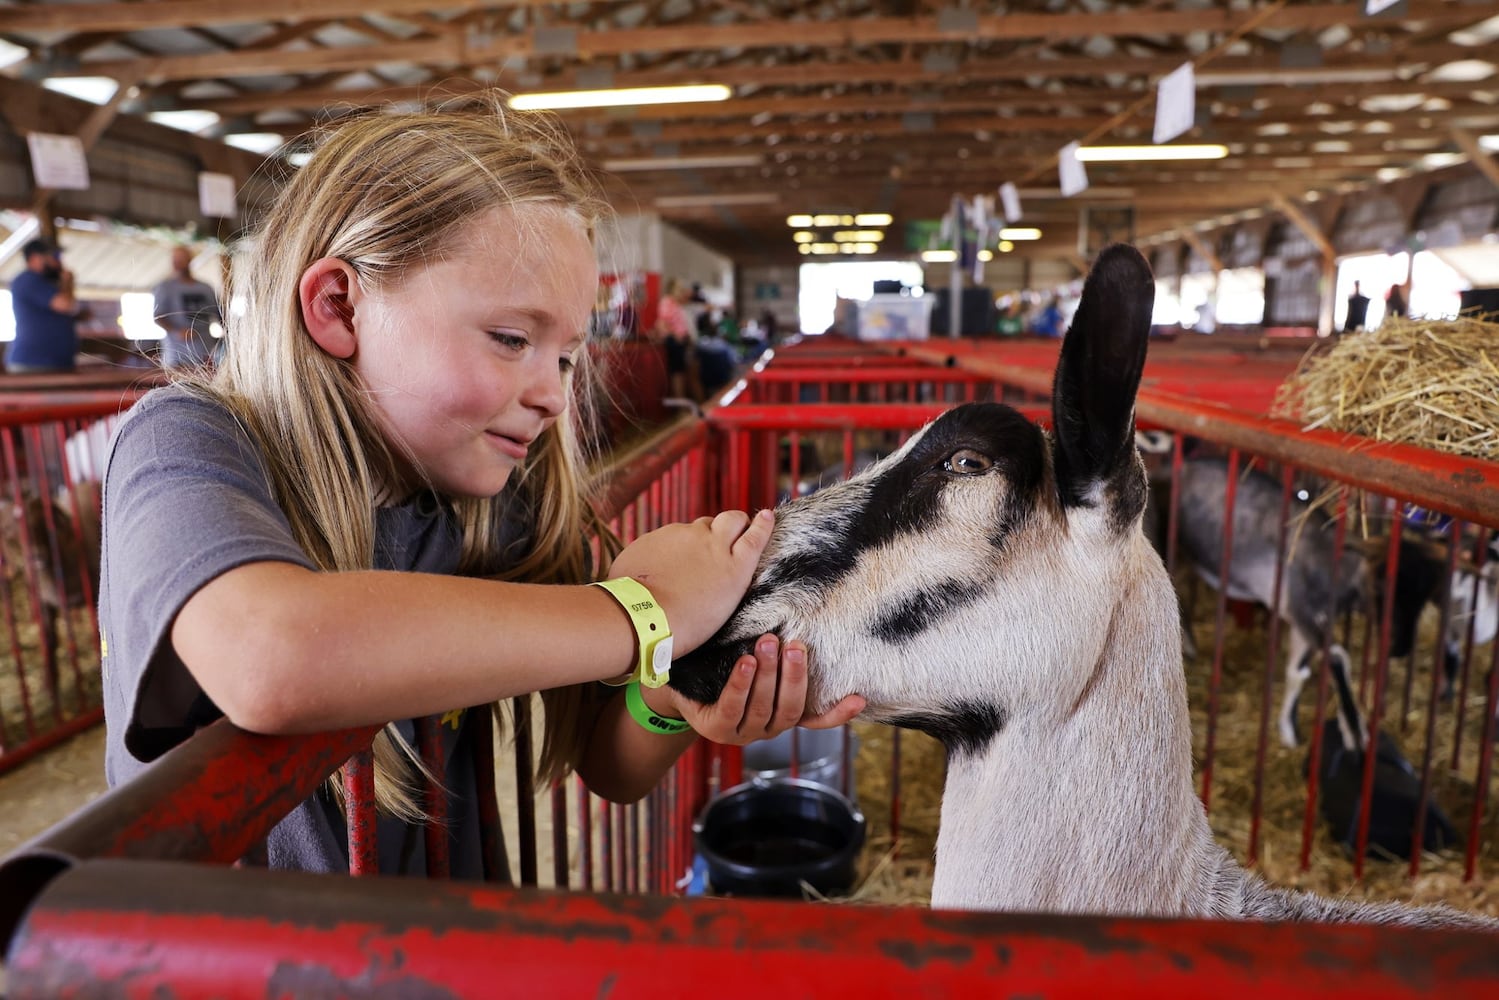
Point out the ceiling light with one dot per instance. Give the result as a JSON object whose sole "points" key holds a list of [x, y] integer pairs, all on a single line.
{"points": [[1461, 71], [1281, 76], [94, 89], [873, 219], [858, 236], [1116, 154], [798, 221], [1489, 143], [714, 200], [256, 142], [803, 236], [189, 120], [1005, 246], [824, 247], [299, 159], [986, 254], [939, 256], [1020, 234], [623, 97], [10, 54], [861, 248], [832, 220], [684, 162]]}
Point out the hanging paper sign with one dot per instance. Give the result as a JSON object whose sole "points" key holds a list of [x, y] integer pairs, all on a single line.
{"points": [[216, 195], [1175, 103], [57, 162], [1009, 200], [1070, 171], [1372, 7]]}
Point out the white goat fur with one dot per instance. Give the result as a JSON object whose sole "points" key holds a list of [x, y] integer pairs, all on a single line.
{"points": [[1081, 800]]}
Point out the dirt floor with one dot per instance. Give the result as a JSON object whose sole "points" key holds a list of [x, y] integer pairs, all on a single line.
{"points": [[49, 787]]}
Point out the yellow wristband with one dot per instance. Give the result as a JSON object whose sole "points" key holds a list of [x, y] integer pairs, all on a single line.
{"points": [[653, 664]]}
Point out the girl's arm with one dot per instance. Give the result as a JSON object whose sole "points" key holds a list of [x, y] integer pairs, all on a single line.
{"points": [[623, 761], [283, 649]]}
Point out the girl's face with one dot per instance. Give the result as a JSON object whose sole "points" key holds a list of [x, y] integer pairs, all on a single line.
{"points": [[467, 359]]}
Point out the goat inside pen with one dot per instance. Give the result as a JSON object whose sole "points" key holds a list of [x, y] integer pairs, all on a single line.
{"points": [[993, 588]]}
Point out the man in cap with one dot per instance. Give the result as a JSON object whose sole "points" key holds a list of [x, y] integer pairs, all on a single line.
{"points": [[47, 313]]}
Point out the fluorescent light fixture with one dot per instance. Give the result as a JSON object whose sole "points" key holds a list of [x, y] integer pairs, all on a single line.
{"points": [[986, 255], [621, 98], [299, 159], [832, 220], [714, 200], [858, 236], [798, 221], [939, 256], [256, 142], [684, 162], [824, 247], [1021, 233], [185, 121], [803, 236], [94, 89], [1116, 154], [1489, 143], [873, 219], [1005, 246], [11, 54], [859, 247], [1284, 77]]}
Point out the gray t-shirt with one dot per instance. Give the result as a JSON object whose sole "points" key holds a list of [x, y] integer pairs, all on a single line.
{"points": [[186, 499], [190, 308]]}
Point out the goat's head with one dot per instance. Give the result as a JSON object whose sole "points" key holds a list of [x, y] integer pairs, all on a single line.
{"points": [[977, 569]]}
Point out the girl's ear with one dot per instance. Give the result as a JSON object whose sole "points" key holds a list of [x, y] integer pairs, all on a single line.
{"points": [[327, 294]]}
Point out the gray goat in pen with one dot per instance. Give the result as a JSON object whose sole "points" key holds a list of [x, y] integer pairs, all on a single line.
{"points": [[990, 585]]}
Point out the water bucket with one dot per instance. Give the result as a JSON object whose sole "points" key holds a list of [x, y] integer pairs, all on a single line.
{"points": [[819, 755], [765, 838]]}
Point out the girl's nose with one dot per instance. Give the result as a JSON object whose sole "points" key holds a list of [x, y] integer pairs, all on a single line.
{"points": [[546, 390]]}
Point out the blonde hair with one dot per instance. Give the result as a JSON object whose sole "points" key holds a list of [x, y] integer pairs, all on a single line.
{"points": [[387, 193]]}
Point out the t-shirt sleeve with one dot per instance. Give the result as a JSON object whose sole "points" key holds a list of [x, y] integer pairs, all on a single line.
{"points": [[186, 499], [33, 291]]}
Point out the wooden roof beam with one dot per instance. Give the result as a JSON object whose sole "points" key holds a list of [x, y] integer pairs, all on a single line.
{"points": [[99, 17], [677, 38]]}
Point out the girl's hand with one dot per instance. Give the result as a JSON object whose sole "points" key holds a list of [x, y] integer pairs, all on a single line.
{"points": [[762, 698], [697, 572]]}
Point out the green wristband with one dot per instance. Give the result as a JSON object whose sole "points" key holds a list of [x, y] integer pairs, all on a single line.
{"points": [[646, 716]]}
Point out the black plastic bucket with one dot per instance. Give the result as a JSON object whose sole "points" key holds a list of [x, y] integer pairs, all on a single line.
{"points": [[765, 838]]}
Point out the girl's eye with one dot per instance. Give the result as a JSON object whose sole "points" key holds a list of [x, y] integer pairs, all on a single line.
{"points": [[567, 364], [509, 341], [967, 462]]}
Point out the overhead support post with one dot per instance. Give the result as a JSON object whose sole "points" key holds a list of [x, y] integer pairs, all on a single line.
{"points": [[1312, 232]]}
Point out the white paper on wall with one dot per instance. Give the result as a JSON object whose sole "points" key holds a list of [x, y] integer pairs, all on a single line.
{"points": [[1175, 103], [57, 162], [1070, 171], [1009, 199], [216, 195]]}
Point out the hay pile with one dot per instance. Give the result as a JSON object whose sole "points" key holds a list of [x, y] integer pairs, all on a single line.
{"points": [[1429, 383]]}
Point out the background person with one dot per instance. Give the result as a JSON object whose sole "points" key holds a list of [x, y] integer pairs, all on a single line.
{"points": [[186, 309], [47, 313]]}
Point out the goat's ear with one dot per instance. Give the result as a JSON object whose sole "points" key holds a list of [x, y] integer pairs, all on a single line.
{"points": [[1098, 373]]}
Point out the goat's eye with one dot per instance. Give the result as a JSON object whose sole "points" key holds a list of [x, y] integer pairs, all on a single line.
{"points": [[967, 462]]}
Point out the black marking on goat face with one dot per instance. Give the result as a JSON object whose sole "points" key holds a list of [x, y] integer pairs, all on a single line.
{"points": [[892, 499], [924, 609], [965, 728]]}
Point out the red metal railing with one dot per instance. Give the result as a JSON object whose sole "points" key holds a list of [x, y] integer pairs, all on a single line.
{"points": [[51, 459]]}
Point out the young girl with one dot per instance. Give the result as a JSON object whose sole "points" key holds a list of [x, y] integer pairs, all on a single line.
{"points": [[375, 509]]}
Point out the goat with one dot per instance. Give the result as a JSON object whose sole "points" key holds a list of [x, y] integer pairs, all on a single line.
{"points": [[57, 551], [1308, 603], [989, 584], [1418, 583]]}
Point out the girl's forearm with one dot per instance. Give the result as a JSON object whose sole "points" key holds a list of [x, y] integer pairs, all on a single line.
{"points": [[283, 649], [623, 761]]}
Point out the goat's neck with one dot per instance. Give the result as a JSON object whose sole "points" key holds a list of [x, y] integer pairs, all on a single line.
{"points": [[1092, 809]]}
